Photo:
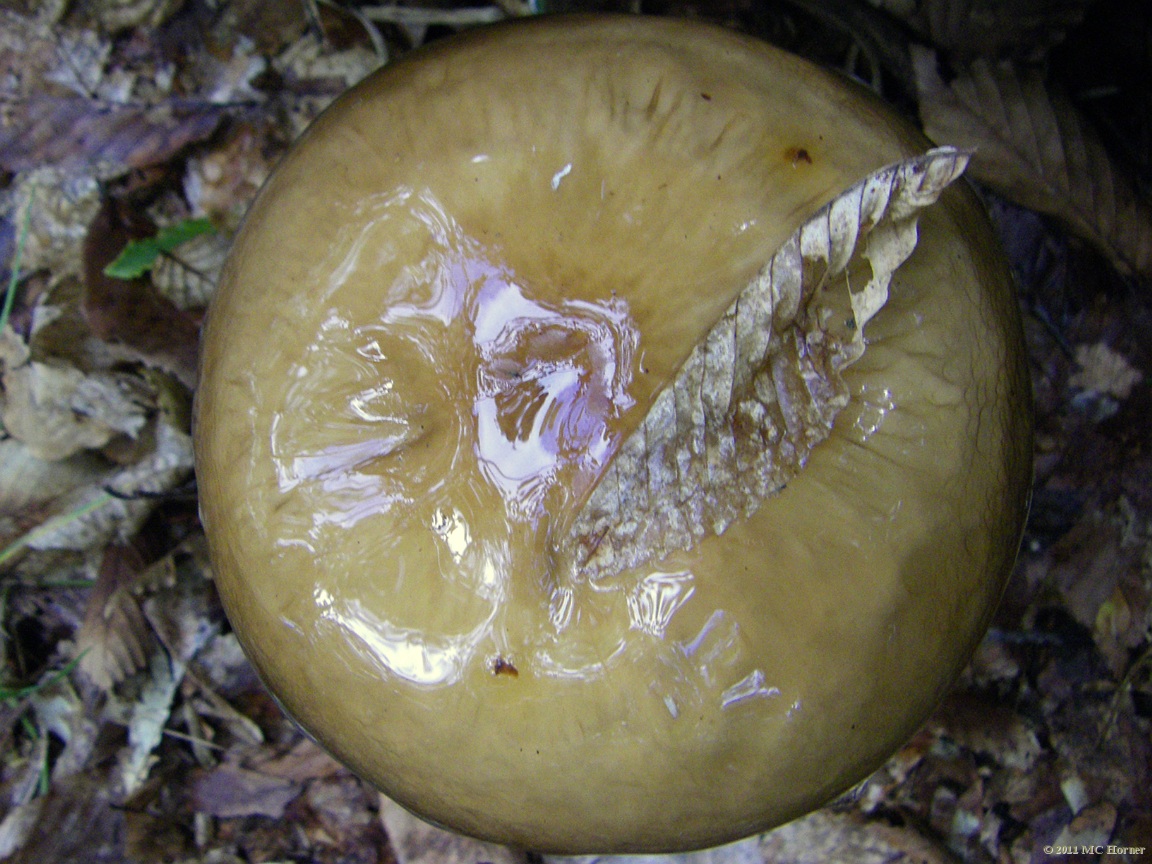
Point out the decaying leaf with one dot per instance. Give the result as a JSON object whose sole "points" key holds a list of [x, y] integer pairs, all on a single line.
{"points": [[827, 835], [113, 642], [1104, 370], [58, 209], [93, 515], [415, 841], [189, 276], [116, 15], [181, 617], [28, 482], [764, 386], [57, 411], [230, 790], [147, 719], [131, 312], [1033, 146], [991, 28], [79, 135], [41, 56]]}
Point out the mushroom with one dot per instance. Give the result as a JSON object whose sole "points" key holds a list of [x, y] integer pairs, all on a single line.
{"points": [[460, 292]]}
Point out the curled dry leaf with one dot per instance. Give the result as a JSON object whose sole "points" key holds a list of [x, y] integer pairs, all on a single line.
{"points": [[764, 386], [57, 411], [1032, 146]]}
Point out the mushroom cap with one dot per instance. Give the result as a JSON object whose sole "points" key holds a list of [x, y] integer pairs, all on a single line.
{"points": [[390, 441]]}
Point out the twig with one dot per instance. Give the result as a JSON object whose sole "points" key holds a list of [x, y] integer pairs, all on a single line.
{"points": [[421, 17]]}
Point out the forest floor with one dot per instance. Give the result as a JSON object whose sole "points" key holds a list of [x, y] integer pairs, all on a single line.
{"points": [[131, 726]]}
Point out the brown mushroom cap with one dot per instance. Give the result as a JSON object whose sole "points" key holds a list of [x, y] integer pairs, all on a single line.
{"points": [[389, 438]]}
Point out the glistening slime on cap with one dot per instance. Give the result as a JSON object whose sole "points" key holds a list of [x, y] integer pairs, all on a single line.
{"points": [[490, 535]]}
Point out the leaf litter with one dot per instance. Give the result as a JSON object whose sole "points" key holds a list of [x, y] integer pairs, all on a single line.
{"points": [[1032, 144], [184, 108]]}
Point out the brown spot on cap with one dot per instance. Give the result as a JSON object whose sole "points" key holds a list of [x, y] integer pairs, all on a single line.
{"points": [[796, 155], [500, 666]]}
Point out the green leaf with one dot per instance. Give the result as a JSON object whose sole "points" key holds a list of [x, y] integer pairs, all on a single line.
{"points": [[139, 256]]}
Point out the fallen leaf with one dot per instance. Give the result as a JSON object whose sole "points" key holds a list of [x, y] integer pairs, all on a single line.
{"points": [[1091, 829], [305, 761], [211, 704], [221, 180], [1031, 145], [57, 411], [58, 209], [343, 818], [27, 481], [988, 729], [113, 641], [229, 791], [38, 56], [19, 823], [130, 311], [92, 516], [417, 842], [147, 717], [764, 386], [112, 16], [76, 823], [79, 135], [1104, 370], [188, 277], [992, 28], [830, 836]]}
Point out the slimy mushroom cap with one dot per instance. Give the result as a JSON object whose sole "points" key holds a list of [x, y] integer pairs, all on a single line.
{"points": [[461, 291]]}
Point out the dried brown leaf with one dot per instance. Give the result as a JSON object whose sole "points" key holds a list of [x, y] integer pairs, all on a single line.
{"points": [[764, 386], [211, 704], [92, 516], [114, 640], [830, 836], [992, 28], [305, 761], [81, 136], [132, 312], [38, 56], [1031, 145], [229, 791], [61, 106], [417, 842], [1090, 829], [27, 481], [58, 411], [77, 823], [112, 16], [188, 276]]}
